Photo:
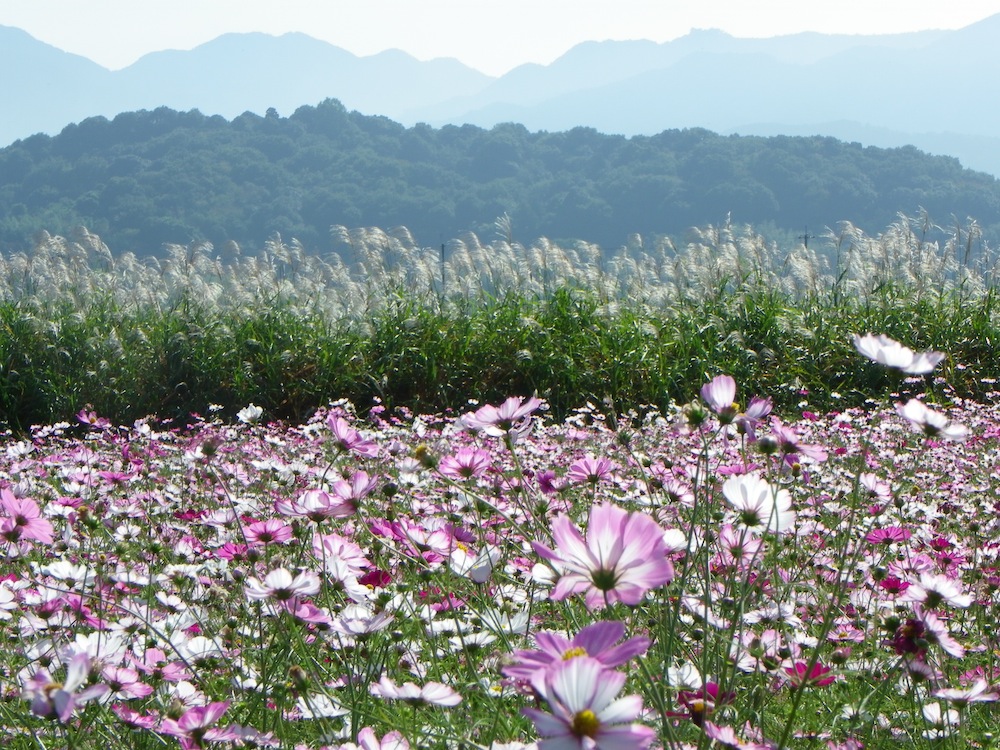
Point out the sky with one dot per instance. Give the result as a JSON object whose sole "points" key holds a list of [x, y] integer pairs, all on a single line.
{"points": [[492, 36]]}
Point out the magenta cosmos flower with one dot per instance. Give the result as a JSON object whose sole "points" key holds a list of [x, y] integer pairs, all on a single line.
{"points": [[622, 557], [585, 713]]}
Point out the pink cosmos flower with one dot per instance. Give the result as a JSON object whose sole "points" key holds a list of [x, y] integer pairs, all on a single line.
{"points": [[194, 727], [349, 440], [888, 535], [23, 519], [888, 352], [789, 443], [435, 693], [591, 470], [467, 463], [800, 675], [701, 703], [271, 531], [598, 641], [124, 683], [623, 556], [586, 715]]}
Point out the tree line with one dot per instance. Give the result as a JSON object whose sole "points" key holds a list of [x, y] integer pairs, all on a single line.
{"points": [[148, 178]]}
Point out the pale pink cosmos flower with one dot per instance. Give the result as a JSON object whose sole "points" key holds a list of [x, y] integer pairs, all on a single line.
{"points": [[888, 352], [931, 423], [591, 470], [933, 589], [281, 585], [368, 740], [726, 737], [511, 419], [435, 693], [586, 714], [52, 699], [317, 505], [978, 692], [789, 443], [354, 491], [623, 556], [720, 395]]}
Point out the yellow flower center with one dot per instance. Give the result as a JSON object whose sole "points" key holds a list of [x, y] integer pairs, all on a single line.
{"points": [[574, 652], [586, 724]]}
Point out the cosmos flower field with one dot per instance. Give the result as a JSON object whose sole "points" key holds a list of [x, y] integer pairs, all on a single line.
{"points": [[498, 579]]}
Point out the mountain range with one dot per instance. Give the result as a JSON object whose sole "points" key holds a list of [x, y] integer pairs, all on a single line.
{"points": [[936, 90]]}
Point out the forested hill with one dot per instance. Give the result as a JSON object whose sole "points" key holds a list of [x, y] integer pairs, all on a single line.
{"points": [[153, 177]]}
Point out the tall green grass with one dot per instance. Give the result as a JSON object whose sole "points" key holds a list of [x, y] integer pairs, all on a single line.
{"points": [[385, 319], [571, 347]]}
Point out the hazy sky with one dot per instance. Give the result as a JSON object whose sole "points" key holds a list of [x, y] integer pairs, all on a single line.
{"points": [[490, 35]]}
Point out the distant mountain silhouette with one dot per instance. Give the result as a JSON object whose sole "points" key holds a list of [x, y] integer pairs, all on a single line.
{"points": [[937, 90]]}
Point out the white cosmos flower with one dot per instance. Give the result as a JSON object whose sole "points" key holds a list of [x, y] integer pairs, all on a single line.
{"points": [[888, 352], [435, 693], [760, 506], [931, 423], [932, 589], [281, 585]]}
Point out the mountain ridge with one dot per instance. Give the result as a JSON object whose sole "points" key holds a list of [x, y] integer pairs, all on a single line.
{"points": [[913, 88]]}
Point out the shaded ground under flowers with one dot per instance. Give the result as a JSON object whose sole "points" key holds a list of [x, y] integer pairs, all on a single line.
{"points": [[494, 580]]}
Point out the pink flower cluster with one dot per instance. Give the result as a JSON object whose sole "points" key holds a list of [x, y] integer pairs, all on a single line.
{"points": [[577, 680]]}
